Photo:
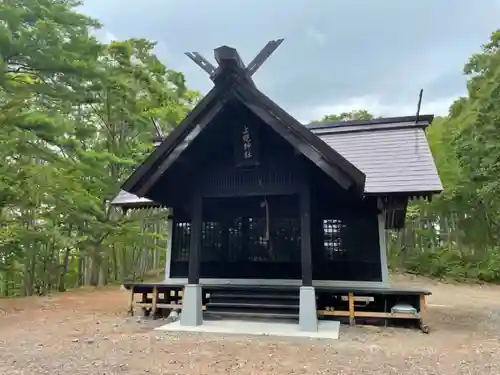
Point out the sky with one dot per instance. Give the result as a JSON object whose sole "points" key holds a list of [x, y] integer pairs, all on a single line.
{"points": [[337, 56]]}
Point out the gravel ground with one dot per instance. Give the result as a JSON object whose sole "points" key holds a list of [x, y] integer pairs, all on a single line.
{"points": [[87, 332]]}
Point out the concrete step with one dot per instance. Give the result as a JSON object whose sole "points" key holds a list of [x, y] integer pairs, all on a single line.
{"points": [[236, 314]]}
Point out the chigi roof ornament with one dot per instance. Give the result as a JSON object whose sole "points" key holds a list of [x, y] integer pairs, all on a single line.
{"points": [[229, 57]]}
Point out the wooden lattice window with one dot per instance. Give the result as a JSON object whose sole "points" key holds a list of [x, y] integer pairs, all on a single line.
{"points": [[235, 240], [286, 239], [212, 244], [332, 238], [180, 244]]}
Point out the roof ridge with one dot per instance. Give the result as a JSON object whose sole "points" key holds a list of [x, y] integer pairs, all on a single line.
{"points": [[369, 127], [422, 120]]}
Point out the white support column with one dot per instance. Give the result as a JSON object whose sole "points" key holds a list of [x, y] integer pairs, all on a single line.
{"points": [[192, 306], [383, 245], [168, 255], [308, 316]]}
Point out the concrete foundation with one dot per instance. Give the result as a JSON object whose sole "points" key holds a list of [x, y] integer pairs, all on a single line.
{"points": [[326, 329], [308, 317], [192, 306]]}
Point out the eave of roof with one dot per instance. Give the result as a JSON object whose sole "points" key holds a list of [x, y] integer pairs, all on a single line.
{"points": [[373, 124]]}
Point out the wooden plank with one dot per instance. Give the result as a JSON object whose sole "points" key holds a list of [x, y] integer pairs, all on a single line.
{"points": [[358, 299], [162, 305], [169, 306], [333, 313], [351, 308], [144, 304], [368, 314]]}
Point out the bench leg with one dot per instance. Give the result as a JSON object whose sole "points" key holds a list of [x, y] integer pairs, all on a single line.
{"points": [[130, 310], [155, 300], [423, 312], [352, 321]]}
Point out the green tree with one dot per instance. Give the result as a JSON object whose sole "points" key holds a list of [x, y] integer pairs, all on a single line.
{"points": [[359, 114], [76, 118], [466, 216], [136, 87]]}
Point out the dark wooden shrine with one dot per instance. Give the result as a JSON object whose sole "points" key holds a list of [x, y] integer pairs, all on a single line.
{"points": [[257, 196]]}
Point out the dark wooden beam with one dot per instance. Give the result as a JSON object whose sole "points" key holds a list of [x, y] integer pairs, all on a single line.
{"points": [[195, 239], [305, 231], [228, 56], [262, 56], [202, 62]]}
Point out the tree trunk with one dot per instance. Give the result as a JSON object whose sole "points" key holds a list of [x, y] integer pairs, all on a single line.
{"points": [[114, 260], [80, 279], [103, 271], [94, 270], [64, 270]]}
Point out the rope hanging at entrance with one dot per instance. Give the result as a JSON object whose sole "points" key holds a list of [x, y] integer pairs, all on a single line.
{"points": [[265, 204]]}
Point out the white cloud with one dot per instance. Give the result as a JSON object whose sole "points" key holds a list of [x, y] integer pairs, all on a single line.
{"points": [[317, 36], [328, 63], [374, 106]]}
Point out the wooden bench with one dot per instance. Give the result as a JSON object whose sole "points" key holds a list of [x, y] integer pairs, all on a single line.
{"points": [[375, 304]]}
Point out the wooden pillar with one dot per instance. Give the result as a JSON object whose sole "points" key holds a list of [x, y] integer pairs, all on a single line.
{"points": [[170, 241], [305, 233], [195, 239], [154, 302], [382, 242]]}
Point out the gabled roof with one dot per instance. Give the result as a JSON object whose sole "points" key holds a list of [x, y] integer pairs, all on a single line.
{"points": [[232, 84], [393, 153]]}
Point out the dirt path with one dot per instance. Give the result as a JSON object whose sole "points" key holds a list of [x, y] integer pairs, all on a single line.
{"points": [[86, 332]]}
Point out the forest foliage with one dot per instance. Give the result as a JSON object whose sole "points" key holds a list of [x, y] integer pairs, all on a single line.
{"points": [[456, 235], [76, 117]]}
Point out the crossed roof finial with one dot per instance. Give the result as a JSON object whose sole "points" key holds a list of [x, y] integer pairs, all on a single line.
{"points": [[225, 55]]}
